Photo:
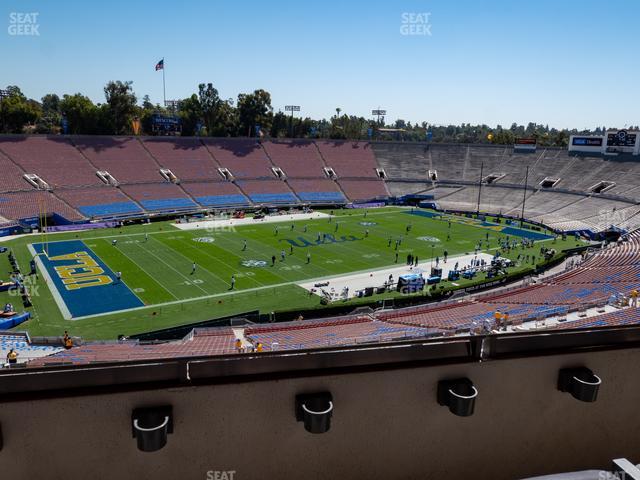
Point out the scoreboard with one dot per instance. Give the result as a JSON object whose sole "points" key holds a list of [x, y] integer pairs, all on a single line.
{"points": [[525, 145], [622, 141], [165, 124], [613, 142]]}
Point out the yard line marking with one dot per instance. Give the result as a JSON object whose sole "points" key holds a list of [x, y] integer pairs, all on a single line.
{"points": [[267, 259], [203, 251], [150, 276], [172, 268], [191, 260]]}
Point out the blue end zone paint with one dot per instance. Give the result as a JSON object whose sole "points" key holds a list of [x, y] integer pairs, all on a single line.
{"points": [[424, 213], [105, 294], [109, 209], [531, 235]]}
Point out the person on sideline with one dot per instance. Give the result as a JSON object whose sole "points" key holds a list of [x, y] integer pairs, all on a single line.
{"points": [[12, 357], [634, 298]]}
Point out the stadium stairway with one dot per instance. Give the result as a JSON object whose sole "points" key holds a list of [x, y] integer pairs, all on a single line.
{"points": [[96, 168], [184, 192], [131, 199], [239, 334], [266, 152], [324, 163]]}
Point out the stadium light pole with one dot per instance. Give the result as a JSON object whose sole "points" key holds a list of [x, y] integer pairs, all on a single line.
{"points": [[378, 113], [3, 94], [291, 108]]}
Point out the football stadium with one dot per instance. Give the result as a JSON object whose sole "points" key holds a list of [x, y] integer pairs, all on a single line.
{"points": [[209, 288]]}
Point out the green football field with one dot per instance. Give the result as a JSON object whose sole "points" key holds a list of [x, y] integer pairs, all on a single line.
{"points": [[156, 264]]}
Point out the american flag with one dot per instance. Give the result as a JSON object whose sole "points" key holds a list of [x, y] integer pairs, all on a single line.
{"points": [[160, 65]]}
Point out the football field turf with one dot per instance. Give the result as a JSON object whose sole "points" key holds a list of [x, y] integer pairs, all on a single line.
{"points": [[162, 289]]}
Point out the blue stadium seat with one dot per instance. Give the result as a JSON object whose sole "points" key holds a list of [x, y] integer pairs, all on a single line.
{"points": [[222, 200], [273, 198], [167, 204], [109, 209], [321, 196]]}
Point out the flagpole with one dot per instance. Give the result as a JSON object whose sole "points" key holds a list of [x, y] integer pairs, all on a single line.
{"points": [[164, 89]]}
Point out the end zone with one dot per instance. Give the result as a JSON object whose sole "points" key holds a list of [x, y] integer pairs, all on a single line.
{"points": [[80, 281]]}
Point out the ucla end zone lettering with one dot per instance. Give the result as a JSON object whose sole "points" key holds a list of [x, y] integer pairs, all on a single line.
{"points": [[84, 283], [84, 272]]}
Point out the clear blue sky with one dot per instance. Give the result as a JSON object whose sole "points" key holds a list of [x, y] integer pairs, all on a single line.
{"points": [[567, 63]]}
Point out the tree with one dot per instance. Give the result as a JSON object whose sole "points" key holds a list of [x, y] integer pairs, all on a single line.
{"points": [[254, 109], [16, 111], [81, 114], [191, 115], [51, 117], [146, 103], [279, 125], [121, 106], [218, 115]]}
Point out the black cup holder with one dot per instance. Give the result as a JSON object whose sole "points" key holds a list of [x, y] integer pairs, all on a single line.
{"points": [[315, 410], [150, 427], [459, 395], [580, 382]]}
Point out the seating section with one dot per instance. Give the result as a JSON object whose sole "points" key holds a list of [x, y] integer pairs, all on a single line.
{"points": [[216, 194], [568, 205], [54, 159], [627, 316], [317, 190], [245, 158], [12, 176], [99, 202], [187, 158], [298, 159], [199, 342], [349, 159], [32, 204], [123, 157], [363, 189], [69, 163], [267, 191], [163, 196], [329, 333]]}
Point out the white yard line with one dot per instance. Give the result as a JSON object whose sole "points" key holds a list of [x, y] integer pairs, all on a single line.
{"points": [[172, 268], [120, 250]]}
